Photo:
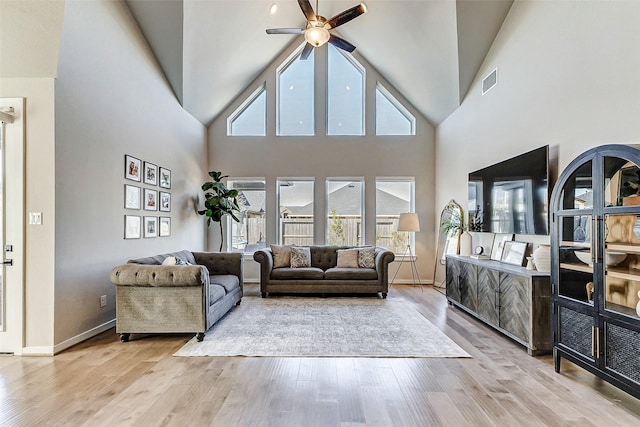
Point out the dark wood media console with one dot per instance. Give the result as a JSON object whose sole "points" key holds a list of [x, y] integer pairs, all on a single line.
{"points": [[511, 299]]}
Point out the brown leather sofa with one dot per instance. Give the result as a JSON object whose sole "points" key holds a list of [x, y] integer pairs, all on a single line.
{"points": [[323, 277]]}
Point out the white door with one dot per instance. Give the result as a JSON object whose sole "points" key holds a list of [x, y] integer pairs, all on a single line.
{"points": [[11, 225]]}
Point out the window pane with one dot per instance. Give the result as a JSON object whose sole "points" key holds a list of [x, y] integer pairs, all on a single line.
{"points": [[345, 100], [295, 206], [249, 234], [251, 119], [295, 97], [393, 197], [391, 117], [344, 217]]}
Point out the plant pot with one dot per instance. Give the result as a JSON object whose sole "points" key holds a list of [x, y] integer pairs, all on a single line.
{"points": [[542, 258]]}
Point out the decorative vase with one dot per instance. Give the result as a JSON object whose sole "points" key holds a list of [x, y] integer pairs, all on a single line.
{"points": [[542, 258], [466, 243], [530, 263]]}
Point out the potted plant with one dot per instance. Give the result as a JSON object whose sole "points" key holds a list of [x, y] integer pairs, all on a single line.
{"points": [[219, 201]]}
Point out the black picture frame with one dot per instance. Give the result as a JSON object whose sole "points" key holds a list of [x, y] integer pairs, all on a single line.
{"points": [[132, 168], [165, 177], [150, 173], [164, 202]]}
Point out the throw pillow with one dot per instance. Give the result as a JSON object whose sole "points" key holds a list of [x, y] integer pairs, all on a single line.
{"points": [[367, 257], [170, 260], [347, 258], [281, 256], [300, 257]]}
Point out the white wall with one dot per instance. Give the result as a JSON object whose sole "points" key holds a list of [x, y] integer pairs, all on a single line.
{"points": [[568, 76], [112, 99], [330, 156]]}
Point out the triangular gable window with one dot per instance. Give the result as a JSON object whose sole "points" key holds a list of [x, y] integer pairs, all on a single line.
{"points": [[392, 118], [345, 94], [295, 110], [250, 119]]}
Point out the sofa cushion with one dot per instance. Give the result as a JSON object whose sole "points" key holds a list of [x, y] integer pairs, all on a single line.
{"points": [[281, 256], [300, 257], [216, 293], [367, 257], [347, 258], [351, 274], [297, 273], [228, 281]]}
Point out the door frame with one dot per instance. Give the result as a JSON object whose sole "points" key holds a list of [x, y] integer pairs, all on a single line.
{"points": [[12, 332]]}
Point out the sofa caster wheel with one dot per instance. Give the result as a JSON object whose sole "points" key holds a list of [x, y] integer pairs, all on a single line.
{"points": [[124, 337], [264, 295], [384, 295], [200, 336], [239, 301]]}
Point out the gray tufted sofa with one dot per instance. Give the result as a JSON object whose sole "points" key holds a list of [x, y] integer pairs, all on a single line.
{"points": [[323, 277], [155, 298]]}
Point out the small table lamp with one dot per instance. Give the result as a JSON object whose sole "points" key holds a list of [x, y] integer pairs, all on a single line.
{"points": [[409, 223]]}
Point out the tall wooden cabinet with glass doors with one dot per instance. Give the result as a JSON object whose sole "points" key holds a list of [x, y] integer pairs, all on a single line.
{"points": [[595, 261]]}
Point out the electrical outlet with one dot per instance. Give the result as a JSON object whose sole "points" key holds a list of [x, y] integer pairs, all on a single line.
{"points": [[103, 300]]}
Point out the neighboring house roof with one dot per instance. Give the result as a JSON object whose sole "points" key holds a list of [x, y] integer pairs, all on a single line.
{"points": [[347, 201]]}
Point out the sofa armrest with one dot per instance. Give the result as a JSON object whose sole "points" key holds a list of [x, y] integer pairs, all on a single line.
{"points": [[221, 262], [265, 258], [384, 257], [159, 275]]}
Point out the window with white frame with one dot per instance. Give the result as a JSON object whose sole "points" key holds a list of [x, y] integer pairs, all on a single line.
{"points": [[392, 118], [295, 212], [295, 106], [249, 234], [250, 119], [393, 197], [345, 94], [345, 212]]}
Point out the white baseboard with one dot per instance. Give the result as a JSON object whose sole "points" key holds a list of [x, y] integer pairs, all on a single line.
{"points": [[52, 350], [410, 282]]}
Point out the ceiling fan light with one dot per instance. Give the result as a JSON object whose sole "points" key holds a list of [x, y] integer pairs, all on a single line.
{"points": [[317, 36]]}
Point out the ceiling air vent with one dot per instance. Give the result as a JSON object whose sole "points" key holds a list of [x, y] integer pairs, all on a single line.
{"points": [[490, 81]]}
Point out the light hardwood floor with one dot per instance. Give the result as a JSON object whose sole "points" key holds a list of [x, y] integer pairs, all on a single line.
{"points": [[103, 382]]}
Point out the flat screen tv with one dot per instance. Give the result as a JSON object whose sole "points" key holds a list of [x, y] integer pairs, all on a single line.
{"points": [[511, 196]]}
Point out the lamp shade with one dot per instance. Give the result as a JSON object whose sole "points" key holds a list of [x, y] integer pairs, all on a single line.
{"points": [[409, 222]]}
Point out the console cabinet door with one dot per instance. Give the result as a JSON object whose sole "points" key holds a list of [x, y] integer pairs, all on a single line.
{"points": [[488, 295], [453, 279], [469, 286], [514, 304]]}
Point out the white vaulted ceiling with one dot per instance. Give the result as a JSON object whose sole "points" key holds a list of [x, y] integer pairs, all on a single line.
{"points": [[210, 50]]}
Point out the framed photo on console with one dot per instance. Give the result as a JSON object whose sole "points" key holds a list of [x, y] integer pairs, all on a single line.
{"points": [[498, 245], [513, 252]]}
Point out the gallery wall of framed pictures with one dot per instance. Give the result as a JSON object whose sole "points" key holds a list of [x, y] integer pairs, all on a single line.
{"points": [[146, 196]]}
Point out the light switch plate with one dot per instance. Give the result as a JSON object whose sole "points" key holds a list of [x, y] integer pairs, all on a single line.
{"points": [[35, 218]]}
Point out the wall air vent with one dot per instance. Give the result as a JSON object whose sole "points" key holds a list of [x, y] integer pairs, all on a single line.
{"points": [[490, 81]]}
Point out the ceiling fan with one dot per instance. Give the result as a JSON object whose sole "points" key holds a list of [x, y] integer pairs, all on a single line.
{"points": [[316, 32]]}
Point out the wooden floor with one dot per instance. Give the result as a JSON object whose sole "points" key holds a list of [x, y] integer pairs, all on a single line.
{"points": [[103, 382]]}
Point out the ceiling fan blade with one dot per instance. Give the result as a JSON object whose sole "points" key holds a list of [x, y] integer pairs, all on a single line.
{"points": [[341, 43], [306, 51], [307, 9], [345, 16], [285, 31]]}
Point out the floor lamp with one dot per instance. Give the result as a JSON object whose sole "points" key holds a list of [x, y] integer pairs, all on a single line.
{"points": [[409, 223]]}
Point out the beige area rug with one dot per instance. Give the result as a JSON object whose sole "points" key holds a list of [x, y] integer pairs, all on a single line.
{"points": [[324, 327]]}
